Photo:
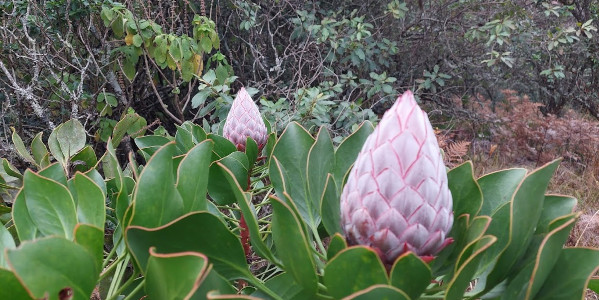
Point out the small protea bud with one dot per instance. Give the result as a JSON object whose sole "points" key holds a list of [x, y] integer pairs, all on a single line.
{"points": [[396, 198], [243, 121]]}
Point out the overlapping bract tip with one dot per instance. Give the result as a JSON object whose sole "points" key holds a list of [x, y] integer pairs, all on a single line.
{"points": [[396, 198], [243, 121]]}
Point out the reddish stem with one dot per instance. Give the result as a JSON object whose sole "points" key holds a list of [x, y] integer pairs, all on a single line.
{"points": [[245, 236], [243, 227]]}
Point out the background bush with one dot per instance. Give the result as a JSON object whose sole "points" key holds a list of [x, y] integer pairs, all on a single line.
{"points": [[332, 63]]}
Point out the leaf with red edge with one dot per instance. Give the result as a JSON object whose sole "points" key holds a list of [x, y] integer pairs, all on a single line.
{"points": [[293, 246], [464, 272], [410, 274], [570, 274], [49, 265], [218, 243], [353, 269], [156, 200], [379, 292], [12, 287]]}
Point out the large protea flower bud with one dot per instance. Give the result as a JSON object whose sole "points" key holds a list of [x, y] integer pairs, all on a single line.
{"points": [[396, 198], [243, 121]]}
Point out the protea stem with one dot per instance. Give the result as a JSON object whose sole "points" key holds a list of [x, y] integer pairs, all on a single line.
{"points": [[243, 227], [245, 237]]}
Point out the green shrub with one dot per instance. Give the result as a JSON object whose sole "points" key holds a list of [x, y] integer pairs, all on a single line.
{"points": [[178, 219]]}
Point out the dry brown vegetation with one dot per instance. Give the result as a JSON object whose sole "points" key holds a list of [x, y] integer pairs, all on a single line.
{"points": [[515, 133]]}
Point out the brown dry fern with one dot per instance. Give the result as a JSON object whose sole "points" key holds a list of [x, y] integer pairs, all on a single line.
{"points": [[457, 150]]}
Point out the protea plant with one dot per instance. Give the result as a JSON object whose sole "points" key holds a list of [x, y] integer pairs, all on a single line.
{"points": [[396, 198], [243, 121]]}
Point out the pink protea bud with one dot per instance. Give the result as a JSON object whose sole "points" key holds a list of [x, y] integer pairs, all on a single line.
{"points": [[396, 198], [243, 121]]}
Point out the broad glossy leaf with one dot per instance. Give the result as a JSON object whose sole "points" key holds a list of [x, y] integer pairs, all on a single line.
{"points": [[467, 231], [464, 274], [244, 200], [128, 67], [197, 132], [94, 175], [446, 259], [285, 287], [570, 274], [321, 161], [530, 279], [138, 127], [156, 200], [222, 146], [54, 172], [117, 26], [129, 183], [347, 152], [218, 188], [20, 147], [151, 141], [130, 123], [184, 139], [498, 188], [39, 150], [330, 209], [41, 267], [26, 229], [176, 162], [251, 151], [525, 212], [71, 137], [288, 162], [92, 239], [147, 152], [113, 173], [336, 245], [90, 201], [174, 275], [133, 167], [197, 232], [210, 282], [270, 144], [54, 146], [554, 207], [292, 245], [276, 176], [118, 242], [499, 228], [192, 177], [466, 194], [516, 288], [380, 292], [549, 252], [410, 274], [10, 169], [352, 270], [477, 227], [85, 159], [50, 205], [6, 242], [268, 126], [11, 287]]}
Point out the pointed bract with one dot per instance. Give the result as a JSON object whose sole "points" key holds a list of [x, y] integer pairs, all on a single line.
{"points": [[243, 121], [396, 198]]}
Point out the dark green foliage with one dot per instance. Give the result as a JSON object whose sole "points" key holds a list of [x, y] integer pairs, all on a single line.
{"points": [[176, 216]]}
